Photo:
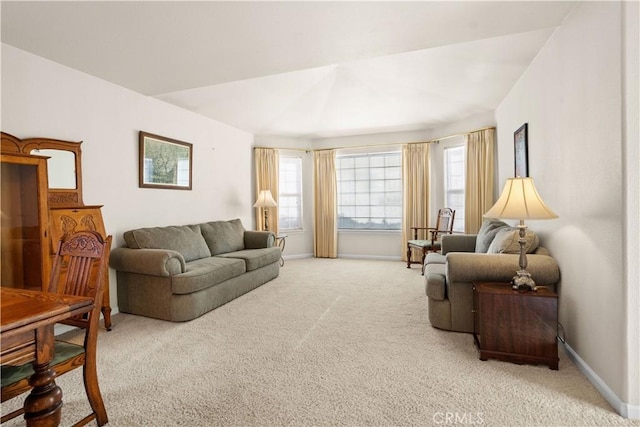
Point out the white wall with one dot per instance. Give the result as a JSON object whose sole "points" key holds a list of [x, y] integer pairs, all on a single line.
{"points": [[631, 185], [43, 99], [571, 97]]}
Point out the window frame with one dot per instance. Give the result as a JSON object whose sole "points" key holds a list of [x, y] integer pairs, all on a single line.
{"points": [[363, 200], [297, 195], [458, 225]]}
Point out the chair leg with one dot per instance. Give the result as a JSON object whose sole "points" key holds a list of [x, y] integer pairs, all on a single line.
{"points": [[12, 415], [93, 394], [408, 256], [424, 255]]}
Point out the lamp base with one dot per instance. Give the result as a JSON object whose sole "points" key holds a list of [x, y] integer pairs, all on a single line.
{"points": [[522, 281]]}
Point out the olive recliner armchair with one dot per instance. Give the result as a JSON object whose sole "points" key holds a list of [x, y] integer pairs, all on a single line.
{"points": [[490, 255]]}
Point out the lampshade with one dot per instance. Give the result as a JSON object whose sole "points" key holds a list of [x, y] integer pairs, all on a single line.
{"points": [[265, 200], [520, 200]]}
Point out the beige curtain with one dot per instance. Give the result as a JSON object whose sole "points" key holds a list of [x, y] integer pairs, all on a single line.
{"points": [[266, 160], [325, 230], [479, 186], [415, 178]]}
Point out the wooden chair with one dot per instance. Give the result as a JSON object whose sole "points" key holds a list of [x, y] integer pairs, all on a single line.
{"points": [[444, 225], [78, 269]]}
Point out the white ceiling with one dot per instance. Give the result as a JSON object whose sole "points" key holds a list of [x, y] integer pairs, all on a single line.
{"points": [[300, 69]]}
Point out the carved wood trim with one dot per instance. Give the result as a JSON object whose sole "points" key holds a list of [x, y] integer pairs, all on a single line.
{"points": [[57, 197]]}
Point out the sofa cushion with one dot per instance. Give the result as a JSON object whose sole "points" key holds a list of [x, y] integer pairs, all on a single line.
{"points": [[256, 258], [487, 232], [185, 239], [435, 258], [507, 241], [206, 272], [223, 236]]}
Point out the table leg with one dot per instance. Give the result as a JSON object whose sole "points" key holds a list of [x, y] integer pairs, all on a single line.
{"points": [[43, 405]]}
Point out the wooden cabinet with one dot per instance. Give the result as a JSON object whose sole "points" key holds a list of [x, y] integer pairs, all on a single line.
{"points": [[64, 220], [25, 222], [41, 201], [515, 326]]}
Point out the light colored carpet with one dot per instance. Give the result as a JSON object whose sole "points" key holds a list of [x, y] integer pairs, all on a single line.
{"points": [[328, 343]]}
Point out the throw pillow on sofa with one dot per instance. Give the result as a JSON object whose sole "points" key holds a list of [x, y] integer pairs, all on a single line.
{"points": [[506, 241], [186, 240], [487, 232]]}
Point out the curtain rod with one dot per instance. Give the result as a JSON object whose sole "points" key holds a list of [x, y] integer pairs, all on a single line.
{"points": [[431, 141]]}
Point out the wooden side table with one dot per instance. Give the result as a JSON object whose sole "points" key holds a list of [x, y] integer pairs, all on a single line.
{"points": [[515, 326]]}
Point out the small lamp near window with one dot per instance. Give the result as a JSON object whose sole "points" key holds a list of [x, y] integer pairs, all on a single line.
{"points": [[520, 200], [265, 201]]}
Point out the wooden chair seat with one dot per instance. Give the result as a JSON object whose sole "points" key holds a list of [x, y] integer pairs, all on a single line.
{"points": [[425, 245], [67, 357]]}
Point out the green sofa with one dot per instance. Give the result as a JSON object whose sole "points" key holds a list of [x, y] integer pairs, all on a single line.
{"points": [[491, 255], [178, 273]]}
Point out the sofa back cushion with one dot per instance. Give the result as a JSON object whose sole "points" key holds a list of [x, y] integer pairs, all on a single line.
{"points": [[487, 232], [223, 236], [507, 239], [185, 239]]}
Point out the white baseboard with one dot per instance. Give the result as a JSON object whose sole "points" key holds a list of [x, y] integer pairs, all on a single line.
{"points": [[347, 256], [297, 256], [624, 409], [371, 257]]}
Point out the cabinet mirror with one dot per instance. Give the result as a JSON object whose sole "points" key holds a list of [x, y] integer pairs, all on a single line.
{"points": [[61, 167]]}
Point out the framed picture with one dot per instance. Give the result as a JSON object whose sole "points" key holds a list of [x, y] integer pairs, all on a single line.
{"points": [[520, 152], [164, 162]]}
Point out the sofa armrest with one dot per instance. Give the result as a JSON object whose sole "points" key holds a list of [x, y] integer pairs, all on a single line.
{"points": [[153, 262], [258, 239], [458, 243], [470, 267]]}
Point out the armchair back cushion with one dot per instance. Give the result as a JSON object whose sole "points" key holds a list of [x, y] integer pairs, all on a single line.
{"points": [[487, 232], [185, 239], [223, 236]]}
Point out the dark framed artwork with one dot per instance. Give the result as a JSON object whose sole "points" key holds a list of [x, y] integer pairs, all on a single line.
{"points": [[164, 162], [520, 149]]}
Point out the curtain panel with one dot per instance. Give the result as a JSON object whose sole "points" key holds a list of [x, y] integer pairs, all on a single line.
{"points": [[479, 186], [325, 230], [267, 166], [415, 179]]}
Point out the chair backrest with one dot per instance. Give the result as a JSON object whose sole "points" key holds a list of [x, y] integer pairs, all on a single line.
{"points": [[445, 220], [78, 269]]}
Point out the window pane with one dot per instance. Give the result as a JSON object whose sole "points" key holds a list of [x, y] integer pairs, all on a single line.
{"points": [[454, 166], [374, 200], [377, 186], [290, 193], [377, 173]]}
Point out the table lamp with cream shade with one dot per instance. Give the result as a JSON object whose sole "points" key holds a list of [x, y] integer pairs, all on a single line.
{"points": [[520, 200], [265, 201]]}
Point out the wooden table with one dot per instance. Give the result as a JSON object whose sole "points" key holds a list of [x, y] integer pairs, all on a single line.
{"points": [[26, 326], [516, 326]]}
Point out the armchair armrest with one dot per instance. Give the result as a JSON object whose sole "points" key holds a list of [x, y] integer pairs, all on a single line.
{"points": [[415, 231], [153, 262], [258, 239], [469, 267], [458, 243]]}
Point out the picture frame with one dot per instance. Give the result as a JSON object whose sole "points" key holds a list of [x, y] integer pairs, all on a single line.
{"points": [[520, 149], [164, 162]]}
